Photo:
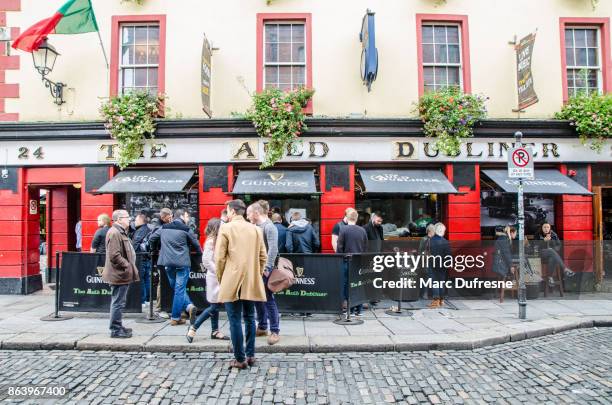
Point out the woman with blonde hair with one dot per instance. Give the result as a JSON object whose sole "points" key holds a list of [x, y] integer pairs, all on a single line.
{"points": [[98, 243], [212, 286]]}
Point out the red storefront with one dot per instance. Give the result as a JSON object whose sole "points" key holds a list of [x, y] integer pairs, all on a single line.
{"points": [[72, 161]]}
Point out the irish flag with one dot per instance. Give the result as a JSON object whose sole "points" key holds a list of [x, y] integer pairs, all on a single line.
{"points": [[74, 17]]}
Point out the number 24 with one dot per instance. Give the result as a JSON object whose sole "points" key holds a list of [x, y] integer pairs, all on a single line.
{"points": [[24, 153]]}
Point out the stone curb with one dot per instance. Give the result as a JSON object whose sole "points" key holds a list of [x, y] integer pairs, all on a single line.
{"points": [[469, 340]]}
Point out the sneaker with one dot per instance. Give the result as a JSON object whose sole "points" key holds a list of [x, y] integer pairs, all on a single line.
{"points": [[192, 314], [261, 332], [551, 282], [174, 322], [163, 314], [121, 335], [191, 332], [569, 273], [273, 339]]}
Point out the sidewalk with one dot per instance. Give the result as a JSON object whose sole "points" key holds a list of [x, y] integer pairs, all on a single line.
{"points": [[474, 324]]}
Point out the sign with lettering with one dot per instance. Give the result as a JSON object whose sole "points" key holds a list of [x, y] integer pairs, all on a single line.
{"points": [[524, 77], [520, 163], [369, 53], [206, 76]]}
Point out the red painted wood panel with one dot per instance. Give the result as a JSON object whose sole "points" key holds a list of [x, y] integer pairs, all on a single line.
{"points": [[11, 257], [577, 235], [327, 225], [475, 236], [7, 197], [11, 228], [333, 211], [576, 198], [214, 196], [91, 212], [578, 223], [60, 226], [96, 200], [338, 195], [89, 227], [10, 271], [462, 225], [471, 197], [211, 211], [11, 242], [55, 175], [470, 210], [576, 208]]}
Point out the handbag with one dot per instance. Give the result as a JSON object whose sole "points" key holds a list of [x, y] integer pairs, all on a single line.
{"points": [[282, 276]]}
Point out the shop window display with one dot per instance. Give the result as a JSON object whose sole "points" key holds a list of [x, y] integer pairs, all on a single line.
{"points": [[402, 217]]}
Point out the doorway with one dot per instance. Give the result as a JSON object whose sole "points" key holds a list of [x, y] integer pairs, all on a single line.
{"points": [[602, 217]]}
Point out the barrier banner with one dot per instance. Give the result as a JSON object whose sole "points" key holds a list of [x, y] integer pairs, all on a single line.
{"points": [[82, 288], [318, 284]]}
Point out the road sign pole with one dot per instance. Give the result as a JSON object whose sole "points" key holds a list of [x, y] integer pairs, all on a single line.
{"points": [[522, 293]]}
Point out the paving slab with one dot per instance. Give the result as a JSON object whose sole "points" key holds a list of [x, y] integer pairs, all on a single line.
{"points": [[325, 344], [287, 344], [431, 342], [105, 342], [38, 341], [201, 343], [6, 336]]}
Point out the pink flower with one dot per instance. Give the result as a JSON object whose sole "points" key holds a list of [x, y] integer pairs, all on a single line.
{"points": [[288, 107]]}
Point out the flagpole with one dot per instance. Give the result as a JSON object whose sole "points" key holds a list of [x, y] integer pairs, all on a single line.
{"points": [[103, 50]]}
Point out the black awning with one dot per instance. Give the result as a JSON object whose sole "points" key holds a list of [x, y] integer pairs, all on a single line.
{"points": [[417, 181], [275, 182], [546, 181], [147, 181]]}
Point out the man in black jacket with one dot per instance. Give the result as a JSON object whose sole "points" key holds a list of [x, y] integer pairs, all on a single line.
{"points": [[139, 237], [301, 236], [177, 241], [374, 231]]}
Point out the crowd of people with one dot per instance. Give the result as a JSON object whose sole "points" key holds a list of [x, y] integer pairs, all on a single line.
{"points": [[239, 254]]}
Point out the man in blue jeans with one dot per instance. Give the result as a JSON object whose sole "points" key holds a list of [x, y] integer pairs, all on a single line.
{"points": [[240, 259], [177, 241]]}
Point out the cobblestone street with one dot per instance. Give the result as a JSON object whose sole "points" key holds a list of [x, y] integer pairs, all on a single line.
{"points": [[570, 367]]}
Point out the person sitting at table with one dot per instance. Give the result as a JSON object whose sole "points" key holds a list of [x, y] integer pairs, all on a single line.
{"points": [[550, 246]]}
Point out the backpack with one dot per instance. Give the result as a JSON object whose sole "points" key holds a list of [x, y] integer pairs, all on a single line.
{"points": [[282, 276]]}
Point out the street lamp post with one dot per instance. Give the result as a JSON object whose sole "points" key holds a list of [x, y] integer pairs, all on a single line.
{"points": [[522, 292], [44, 61]]}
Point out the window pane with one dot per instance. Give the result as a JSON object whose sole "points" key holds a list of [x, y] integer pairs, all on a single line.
{"points": [[579, 38], [579, 79], [284, 33], [570, 78], [453, 76], [427, 34], [271, 33], [569, 57], [452, 33], [440, 55], [298, 32], [581, 58], [428, 53], [569, 41], [592, 79], [271, 52], [153, 35], [592, 57], [140, 77], [140, 55], [127, 78], [441, 75], [284, 52], [127, 55], [439, 34], [271, 74], [591, 37], [429, 88], [152, 74], [299, 75], [284, 74], [127, 35], [453, 54], [141, 35], [298, 53], [153, 55], [428, 76]]}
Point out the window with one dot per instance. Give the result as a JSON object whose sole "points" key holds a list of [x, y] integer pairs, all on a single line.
{"points": [[284, 55], [441, 56], [138, 49], [139, 61], [583, 60], [443, 52]]}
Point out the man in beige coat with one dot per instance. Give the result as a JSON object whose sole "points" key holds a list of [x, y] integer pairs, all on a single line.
{"points": [[240, 258]]}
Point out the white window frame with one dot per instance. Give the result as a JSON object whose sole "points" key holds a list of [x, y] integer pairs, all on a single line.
{"points": [[279, 64], [433, 64], [598, 68], [123, 66]]}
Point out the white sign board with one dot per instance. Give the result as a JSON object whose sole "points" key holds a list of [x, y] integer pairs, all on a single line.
{"points": [[520, 163]]}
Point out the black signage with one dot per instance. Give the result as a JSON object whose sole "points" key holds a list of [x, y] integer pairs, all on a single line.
{"points": [[405, 181], [275, 182], [82, 288], [206, 75], [148, 181], [318, 286], [526, 92]]}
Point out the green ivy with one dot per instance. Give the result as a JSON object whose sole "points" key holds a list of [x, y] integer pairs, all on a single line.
{"points": [[278, 117], [592, 117], [449, 116], [129, 118]]}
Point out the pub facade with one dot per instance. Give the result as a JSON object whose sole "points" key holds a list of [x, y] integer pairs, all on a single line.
{"points": [[363, 147]]}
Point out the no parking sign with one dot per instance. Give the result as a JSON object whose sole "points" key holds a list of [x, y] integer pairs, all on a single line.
{"points": [[520, 163]]}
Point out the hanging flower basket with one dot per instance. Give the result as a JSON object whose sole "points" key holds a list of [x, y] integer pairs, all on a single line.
{"points": [[278, 118], [449, 116], [592, 117], [129, 118]]}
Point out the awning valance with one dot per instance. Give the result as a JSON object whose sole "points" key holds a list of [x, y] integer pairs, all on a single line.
{"points": [[413, 181], [275, 182], [147, 181], [546, 181]]}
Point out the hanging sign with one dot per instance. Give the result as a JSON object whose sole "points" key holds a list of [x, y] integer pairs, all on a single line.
{"points": [[369, 53], [524, 77], [206, 75]]}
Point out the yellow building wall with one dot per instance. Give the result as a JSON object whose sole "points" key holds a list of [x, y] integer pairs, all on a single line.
{"points": [[231, 26]]}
